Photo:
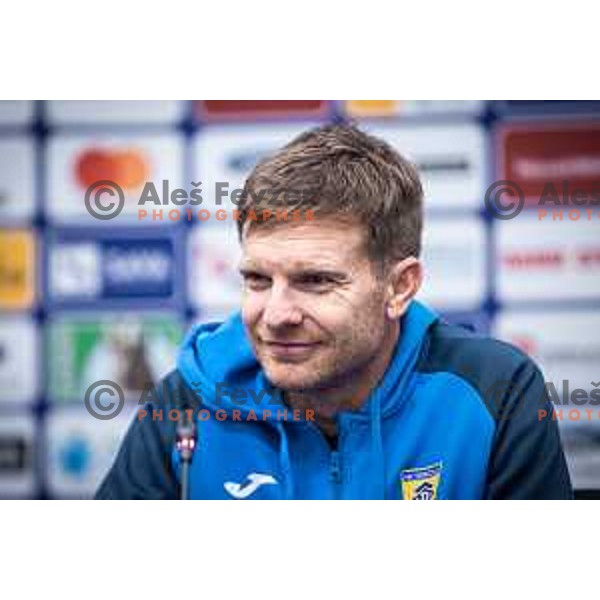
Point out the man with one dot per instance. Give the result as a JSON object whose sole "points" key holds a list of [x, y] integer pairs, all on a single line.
{"points": [[333, 381]]}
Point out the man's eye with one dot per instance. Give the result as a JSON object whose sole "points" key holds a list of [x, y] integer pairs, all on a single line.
{"points": [[315, 281], [255, 280]]}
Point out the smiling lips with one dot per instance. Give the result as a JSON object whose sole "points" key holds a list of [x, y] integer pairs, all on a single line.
{"points": [[289, 349]]}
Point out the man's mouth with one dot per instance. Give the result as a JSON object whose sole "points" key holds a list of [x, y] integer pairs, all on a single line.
{"points": [[288, 349], [287, 343]]}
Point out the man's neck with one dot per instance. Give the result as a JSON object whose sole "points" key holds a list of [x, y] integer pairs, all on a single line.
{"points": [[328, 403]]}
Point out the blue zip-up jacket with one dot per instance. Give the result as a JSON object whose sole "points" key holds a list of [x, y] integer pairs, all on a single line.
{"points": [[456, 416]]}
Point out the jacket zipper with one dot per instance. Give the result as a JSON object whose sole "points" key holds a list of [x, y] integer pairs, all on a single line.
{"points": [[336, 468], [335, 472]]}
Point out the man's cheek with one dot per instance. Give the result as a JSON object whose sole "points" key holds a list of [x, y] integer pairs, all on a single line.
{"points": [[250, 310], [329, 310]]}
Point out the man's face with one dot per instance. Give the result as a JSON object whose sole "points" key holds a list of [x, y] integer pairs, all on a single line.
{"points": [[312, 306]]}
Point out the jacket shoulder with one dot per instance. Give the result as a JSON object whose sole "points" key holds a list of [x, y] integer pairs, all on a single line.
{"points": [[487, 364]]}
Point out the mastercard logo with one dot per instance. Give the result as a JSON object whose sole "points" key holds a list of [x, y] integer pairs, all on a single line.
{"points": [[128, 168]]}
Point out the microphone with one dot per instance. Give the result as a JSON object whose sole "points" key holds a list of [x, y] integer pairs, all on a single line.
{"points": [[186, 435]]}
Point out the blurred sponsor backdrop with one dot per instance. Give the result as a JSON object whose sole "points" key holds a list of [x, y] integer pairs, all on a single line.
{"points": [[83, 300]]}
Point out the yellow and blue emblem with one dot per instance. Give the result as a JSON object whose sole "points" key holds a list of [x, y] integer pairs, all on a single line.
{"points": [[421, 483]]}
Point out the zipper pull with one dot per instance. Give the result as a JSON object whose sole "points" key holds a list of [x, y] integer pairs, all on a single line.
{"points": [[335, 467]]}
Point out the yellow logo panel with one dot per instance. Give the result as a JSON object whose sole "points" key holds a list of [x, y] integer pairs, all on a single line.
{"points": [[421, 483], [17, 272], [372, 108]]}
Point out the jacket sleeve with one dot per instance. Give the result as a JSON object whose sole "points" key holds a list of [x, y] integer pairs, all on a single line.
{"points": [[142, 469], [527, 459]]}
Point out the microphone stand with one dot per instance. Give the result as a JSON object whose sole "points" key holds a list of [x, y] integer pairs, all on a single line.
{"points": [[185, 444]]}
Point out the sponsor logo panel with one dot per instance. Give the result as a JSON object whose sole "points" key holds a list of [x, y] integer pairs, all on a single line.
{"points": [[542, 157], [19, 364], [77, 162], [17, 478], [454, 257], [565, 344], [100, 112], [17, 201], [80, 451], [251, 110], [547, 260], [544, 108], [451, 159], [89, 267], [214, 257], [400, 108], [131, 349], [227, 154], [17, 268]]}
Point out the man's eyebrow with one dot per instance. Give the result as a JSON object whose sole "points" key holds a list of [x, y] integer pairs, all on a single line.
{"points": [[248, 266], [298, 269], [321, 271]]}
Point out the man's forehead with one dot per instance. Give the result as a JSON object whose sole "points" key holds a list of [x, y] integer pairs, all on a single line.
{"points": [[307, 247], [295, 257]]}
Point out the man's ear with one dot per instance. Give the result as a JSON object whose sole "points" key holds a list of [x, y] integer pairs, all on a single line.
{"points": [[404, 281]]}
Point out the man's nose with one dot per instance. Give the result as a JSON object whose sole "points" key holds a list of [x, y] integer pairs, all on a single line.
{"points": [[281, 310]]}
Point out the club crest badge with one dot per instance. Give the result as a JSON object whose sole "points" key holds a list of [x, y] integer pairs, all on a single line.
{"points": [[421, 483]]}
